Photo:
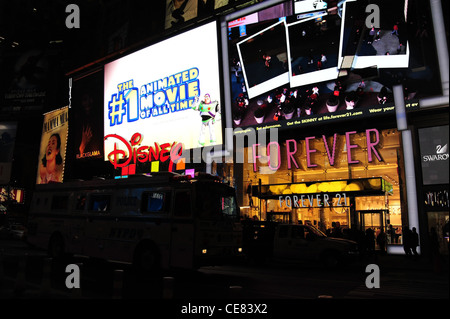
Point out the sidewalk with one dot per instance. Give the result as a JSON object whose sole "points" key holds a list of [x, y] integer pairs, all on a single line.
{"points": [[404, 263]]}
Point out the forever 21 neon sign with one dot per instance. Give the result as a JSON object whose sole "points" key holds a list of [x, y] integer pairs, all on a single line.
{"points": [[291, 150]]}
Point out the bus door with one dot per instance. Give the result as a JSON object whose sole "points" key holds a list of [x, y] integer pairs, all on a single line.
{"points": [[97, 225], [182, 230], [77, 229]]}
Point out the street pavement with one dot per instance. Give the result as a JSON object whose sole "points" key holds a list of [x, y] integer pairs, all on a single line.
{"points": [[400, 278]]}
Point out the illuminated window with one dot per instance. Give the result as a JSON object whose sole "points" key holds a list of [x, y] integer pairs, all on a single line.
{"points": [[155, 202], [100, 203]]}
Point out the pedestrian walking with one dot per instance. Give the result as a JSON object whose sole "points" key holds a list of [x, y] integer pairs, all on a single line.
{"points": [[381, 241], [370, 241], [372, 34], [395, 29], [414, 241], [407, 241]]}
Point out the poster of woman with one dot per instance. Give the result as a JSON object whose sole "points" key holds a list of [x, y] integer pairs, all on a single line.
{"points": [[53, 147]]}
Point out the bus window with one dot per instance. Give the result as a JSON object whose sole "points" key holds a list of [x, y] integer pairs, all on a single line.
{"points": [[155, 202], [81, 202], [59, 202], [229, 206], [100, 203], [182, 204], [298, 232], [283, 231], [214, 205]]}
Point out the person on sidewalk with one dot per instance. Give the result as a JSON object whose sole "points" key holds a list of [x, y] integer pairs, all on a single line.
{"points": [[414, 242], [407, 241], [381, 241]]}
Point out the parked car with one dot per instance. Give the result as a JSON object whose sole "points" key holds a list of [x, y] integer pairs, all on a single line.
{"points": [[4, 232], [18, 231], [290, 242], [13, 231]]}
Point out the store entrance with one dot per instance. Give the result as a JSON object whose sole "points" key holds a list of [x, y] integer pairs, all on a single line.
{"points": [[438, 229], [376, 220]]}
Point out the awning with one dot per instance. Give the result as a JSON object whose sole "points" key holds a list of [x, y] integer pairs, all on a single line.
{"points": [[352, 187]]}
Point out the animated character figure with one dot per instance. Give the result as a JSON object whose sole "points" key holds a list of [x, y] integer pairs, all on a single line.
{"points": [[208, 111], [267, 59]]}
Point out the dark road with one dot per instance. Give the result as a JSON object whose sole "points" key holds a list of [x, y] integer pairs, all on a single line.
{"points": [[400, 278]]}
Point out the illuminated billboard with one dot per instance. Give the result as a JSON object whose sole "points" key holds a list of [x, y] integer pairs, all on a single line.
{"points": [[86, 118], [297, 67], [365, 45], [7, 142], [168, 93], [434, 152], [52, 152]]}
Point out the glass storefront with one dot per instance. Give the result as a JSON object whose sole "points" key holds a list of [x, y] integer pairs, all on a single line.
{"points": [[438, 226], [322, 184]]}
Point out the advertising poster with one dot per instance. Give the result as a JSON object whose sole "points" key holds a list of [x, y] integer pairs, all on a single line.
{"points": [[164, 95], [7, 140], [25, 79], [434, 154], [86, 118], [180, 11], [326, 64], [53, 147]]}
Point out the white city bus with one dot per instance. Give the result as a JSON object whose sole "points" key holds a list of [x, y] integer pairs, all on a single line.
{"points": [[163, 221]]}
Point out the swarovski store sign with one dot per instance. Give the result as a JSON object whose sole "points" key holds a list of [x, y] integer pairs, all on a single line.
{"points": [[434, 154]]}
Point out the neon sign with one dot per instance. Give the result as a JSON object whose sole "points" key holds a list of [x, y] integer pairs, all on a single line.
{"points": [[291, 150], [135, 153]]}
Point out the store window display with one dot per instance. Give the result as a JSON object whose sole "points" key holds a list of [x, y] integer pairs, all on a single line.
{"points": [[363, 190]]}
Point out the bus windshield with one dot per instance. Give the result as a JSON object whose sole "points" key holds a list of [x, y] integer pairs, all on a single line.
{"points": [[216, 201]]}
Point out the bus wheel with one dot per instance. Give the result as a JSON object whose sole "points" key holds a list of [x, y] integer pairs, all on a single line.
{"points": [[147, 259], [56, 246]]}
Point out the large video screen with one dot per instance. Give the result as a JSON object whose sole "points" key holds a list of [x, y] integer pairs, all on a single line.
{"points": [[434, 152], [168, 93], [294, 64]]}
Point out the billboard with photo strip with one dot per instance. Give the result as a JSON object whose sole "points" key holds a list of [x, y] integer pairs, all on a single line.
{"points": [[168, 93], [294, 68]]}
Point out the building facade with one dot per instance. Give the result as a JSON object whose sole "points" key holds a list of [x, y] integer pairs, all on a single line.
{"points": [[354, 114]]}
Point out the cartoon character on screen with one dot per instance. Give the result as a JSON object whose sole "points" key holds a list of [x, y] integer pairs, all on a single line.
{"points": [[209, 111]]}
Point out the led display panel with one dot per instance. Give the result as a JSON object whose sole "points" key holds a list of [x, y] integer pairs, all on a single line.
{"points": [[371, 38], [290, 66], [434, 154], [313, 49], [167, 93], [301, 6], [264, 56]]}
